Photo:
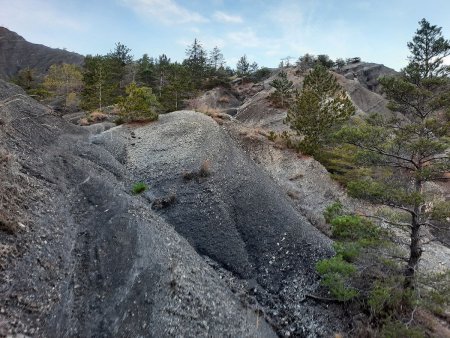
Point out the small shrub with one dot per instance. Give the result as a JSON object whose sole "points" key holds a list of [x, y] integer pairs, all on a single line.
{"points": [[118, 121], [394, 329], [189, 175], [336, 274], [436, 298], [349, 251], [96, 116], [335, 265], [139, 187], [224, 99], [332, 211], [272, 136], [350, 227]]}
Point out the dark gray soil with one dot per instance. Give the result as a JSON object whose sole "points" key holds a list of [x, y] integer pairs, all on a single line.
{"points": [[235, 214], [90, 259]]}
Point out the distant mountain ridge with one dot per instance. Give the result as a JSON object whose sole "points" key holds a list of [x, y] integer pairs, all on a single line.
{"points": [[16, 53]]}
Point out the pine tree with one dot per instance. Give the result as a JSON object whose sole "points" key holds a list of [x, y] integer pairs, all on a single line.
{"points": [[177, 88], [339, 63], [325, 61], [140, 104], [428, 50], [306, 62], [320, 107], [161, 68], [216, 60], [409, 150], [244, 68], [196, 63], [146, 71], [119, 61], [283, 88]]}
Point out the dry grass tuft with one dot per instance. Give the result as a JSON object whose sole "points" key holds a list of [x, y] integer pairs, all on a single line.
{"points": [[205, 169], [164, 202], [91, 118], [224, 99], [203, 172]]}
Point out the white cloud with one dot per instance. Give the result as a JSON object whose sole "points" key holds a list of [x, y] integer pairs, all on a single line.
{"points": [[26, 15], [227, 18], [244, 38], [166, 11]]}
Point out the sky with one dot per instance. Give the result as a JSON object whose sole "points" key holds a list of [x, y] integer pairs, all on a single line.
{"points": [[264, 30]]}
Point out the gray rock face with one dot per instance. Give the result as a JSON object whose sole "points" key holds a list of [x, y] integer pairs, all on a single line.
{"points": [[16, 53], [367, 74], [91, 259], [235, 214], [233, 208]]}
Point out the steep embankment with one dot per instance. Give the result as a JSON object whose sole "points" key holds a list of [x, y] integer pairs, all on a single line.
{"points": [[236, 215], [16, 53], [83, 257]]}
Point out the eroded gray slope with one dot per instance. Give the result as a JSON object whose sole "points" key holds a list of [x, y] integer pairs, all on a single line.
{"points": [[237, 215], [93, 260]]}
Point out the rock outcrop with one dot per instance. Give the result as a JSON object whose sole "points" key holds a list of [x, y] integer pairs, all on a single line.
{"points": [[367, 74]]}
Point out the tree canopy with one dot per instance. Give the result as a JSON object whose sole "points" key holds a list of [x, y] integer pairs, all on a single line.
{"points": [[319, 108], [410, 148]]}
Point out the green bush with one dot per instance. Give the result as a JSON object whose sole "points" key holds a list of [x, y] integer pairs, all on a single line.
{"points": [[437, 295], [335, 265], [396, 329], [349, 251], [272, 136], [139, 187], [140, 104], [351, 227], [336, 274], [332, 211]]}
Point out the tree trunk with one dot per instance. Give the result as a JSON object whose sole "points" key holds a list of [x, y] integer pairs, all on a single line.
{"points": [[415, 248]]}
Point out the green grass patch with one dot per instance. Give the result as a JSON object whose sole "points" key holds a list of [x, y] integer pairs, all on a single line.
{"points": [[139, 188]]}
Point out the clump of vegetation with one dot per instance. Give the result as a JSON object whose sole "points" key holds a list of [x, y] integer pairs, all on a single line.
{"points": [[139, 187], [405, 154], [94, 117], [272, 136], [320, 108], [367, 271], [140, 105], [283, 90], [335, 273]]}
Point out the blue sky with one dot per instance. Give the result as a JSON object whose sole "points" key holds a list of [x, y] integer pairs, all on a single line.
{"points": [[265, 30]]}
